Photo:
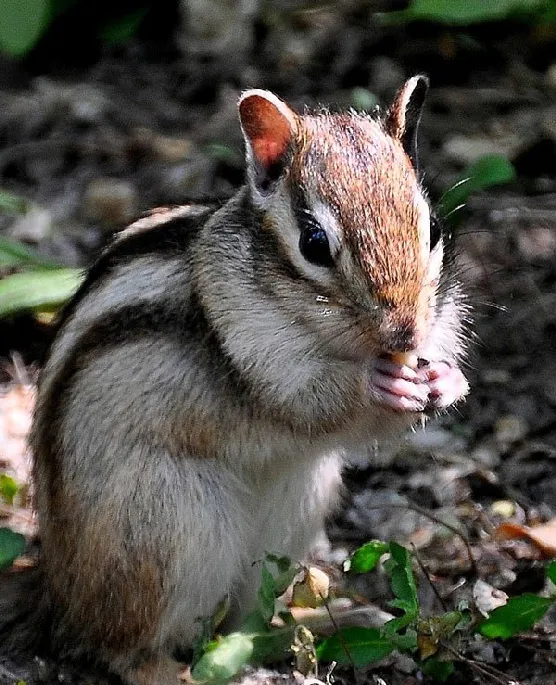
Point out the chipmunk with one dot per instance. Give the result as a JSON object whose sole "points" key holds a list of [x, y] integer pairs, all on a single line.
{"points": [[213, 370]]}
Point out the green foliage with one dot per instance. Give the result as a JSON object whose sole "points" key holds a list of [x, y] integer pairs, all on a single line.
{"points": [[40, 284], [437, 669], [467, 12], [487, 171], [403, 585], [10, 203], [364, 646], [424, 637], [124, 28], [223, 153], [519, 614], [8, 488], [551, 571], [256, 641], [22, 22], [365, 559], [224, 658], [357, 646], [11, 546], [421, 637], [16, 255], [43, 291]]}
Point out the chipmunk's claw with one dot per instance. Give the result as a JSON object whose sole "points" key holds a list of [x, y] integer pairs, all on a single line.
{"points": [[446, 384]]}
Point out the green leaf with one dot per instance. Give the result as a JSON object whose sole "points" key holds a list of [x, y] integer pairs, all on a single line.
{"points": [[11, 546], [286, 573], [551, 571], [446, 624], [485, 172], [360, 646], [518, 615], [224, 659], [283, 564], [403, 581], [404, 588], [8, 488], [221, 152], [284, 580], [15, 254], [22, 22], [272, 645], [438, 670], [466, 12], [267, 641], [267, 594], [366, 557], [38, 290], [254, 622], [10, 203], [274, 586], [124, 28], [406, 642]]}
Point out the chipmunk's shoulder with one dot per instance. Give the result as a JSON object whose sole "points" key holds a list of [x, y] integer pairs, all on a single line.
{"points": [[160, 233]]}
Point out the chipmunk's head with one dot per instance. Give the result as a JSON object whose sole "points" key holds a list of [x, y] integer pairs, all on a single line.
{"points": [[345, 215]]}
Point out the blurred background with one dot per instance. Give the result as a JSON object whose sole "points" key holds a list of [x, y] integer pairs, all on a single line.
{"points": [[109, 108]]}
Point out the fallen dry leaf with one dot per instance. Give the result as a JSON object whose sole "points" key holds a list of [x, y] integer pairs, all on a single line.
{"points": [[543, 536], [312, 589]]}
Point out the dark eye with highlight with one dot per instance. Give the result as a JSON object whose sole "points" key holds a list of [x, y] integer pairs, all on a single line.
{"points": [[435, 232], [313, 241]]}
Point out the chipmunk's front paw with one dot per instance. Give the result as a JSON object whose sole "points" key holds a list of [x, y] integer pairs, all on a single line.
{"points": [[432, 385], [446, 384], [397, 386]]}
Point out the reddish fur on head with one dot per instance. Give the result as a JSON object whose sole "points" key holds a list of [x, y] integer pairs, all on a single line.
{"points": [[363, 171], [366, 178]]}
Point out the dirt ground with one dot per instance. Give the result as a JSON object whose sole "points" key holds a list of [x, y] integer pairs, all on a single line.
{"points": [[135, 126]]}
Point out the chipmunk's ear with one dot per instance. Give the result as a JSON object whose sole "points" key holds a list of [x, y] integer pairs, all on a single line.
{"points": [[402, 119], [269, 127]]}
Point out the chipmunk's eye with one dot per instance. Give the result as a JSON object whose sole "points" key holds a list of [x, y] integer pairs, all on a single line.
{"points": [[313, 244], [435, 232]]}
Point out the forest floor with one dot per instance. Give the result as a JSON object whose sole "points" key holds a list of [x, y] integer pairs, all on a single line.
{"points": [[139, 126]]}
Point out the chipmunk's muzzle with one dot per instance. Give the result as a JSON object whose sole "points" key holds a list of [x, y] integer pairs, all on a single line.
{"points": [[399, 333]]}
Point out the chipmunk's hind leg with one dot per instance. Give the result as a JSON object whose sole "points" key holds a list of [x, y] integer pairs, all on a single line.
{"points": [[156, 670]]}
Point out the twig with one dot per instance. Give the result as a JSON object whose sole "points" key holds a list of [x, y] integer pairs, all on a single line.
{"points": [[424, 512], [429, 580], [494, 674], [337, 629]]}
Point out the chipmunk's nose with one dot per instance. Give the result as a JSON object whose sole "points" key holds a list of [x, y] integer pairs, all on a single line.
{"points": [[399, 334]]}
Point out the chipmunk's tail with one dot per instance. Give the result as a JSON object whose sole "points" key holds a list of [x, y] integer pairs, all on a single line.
{"points": [[24, 612]]}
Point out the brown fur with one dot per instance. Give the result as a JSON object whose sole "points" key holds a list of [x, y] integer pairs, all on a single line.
{"points": [[365, 176]]}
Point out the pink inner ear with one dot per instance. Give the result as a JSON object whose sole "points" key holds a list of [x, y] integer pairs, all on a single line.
{"points": [[268, 151], [268, 129]]}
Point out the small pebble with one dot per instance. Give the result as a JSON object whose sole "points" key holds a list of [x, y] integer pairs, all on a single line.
{"points": [[33, 226], [509, 429], [110, 201], [504, 508], [496, 376], [486, 455], [550, 76]]}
